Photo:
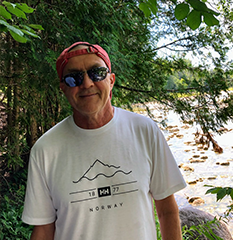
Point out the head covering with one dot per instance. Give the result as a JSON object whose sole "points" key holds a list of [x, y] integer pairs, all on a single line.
{"points": [[92, 49]]}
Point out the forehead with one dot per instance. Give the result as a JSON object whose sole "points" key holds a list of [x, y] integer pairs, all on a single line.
{"points": [[83, 62]]}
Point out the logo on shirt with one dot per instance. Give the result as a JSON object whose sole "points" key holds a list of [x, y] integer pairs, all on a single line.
{"points": [[99, 169], [102, 169], [104, 191]]}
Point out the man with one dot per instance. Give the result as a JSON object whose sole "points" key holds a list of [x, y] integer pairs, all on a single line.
{"points": [[93, 176]]}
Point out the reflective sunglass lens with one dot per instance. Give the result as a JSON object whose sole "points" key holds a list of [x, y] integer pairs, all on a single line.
{"points": [[76, 79], [98, 74], [73, 79], [70, 81]]}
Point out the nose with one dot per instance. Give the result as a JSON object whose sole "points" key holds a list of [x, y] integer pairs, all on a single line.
{"points": [[87, 82]]}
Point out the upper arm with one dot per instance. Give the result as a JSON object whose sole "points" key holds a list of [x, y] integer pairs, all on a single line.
{"points": [[166, 206], [43, 232], [168, 214]]}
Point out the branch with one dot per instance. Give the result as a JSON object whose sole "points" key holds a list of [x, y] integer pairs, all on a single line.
{"points": [[147, 91], [171, 43]]}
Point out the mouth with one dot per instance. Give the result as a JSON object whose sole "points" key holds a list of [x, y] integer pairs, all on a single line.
{"points": [[88, 95]]}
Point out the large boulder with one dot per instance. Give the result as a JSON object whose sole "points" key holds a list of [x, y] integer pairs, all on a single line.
{"points": [[190, 216]]}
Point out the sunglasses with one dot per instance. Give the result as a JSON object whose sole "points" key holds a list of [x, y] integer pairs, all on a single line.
{"points": [[76, 79]]}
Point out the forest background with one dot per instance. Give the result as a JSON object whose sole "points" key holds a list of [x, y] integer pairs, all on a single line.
{"points": [[33, 34]]}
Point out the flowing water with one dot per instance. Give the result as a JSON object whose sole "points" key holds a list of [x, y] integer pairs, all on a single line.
{"points": [[215, 169]]}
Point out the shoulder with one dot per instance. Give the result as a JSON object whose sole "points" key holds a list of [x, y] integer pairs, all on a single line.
{"points": [[54, 134], [137, 123], [135, 118]]}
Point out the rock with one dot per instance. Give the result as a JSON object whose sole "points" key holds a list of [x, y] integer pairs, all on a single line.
{"points": [[192, 144], [204, 157], [196, 201], [186, 167], [196, 156], [174, 130], [179, 136], [185, 127], [212, 178], [200, 148], [171, 127], [197, 160], [191, 182], [190, 217], [187, 150], [223, 163], [223, 176], [168, 138]]}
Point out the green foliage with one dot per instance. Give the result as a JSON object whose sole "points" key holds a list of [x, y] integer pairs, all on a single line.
{"points": [[221, 192], [194, 232], [198, 13], [13, 13], [194, 19], [194, 10], [29, 84], [182, 11], [203, 229], [149, 7], [11, 204]]}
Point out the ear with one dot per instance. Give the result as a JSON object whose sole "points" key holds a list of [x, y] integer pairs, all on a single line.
{"points": [[62, 86], [112, 80]]}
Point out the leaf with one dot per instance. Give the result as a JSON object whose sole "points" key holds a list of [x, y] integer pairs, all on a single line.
{"points": [[213, 12], [153, 6], [7, 3], [210, 19], [194, 19], [18, 37], [36, 26], [28, 28], [16, 33], [25, 8], [201, 6], [3, 28], [30, 33], [4, 13], [3, 22], [231, 194], [198, 5], [221, 194], [213, 190], [15, 30], [14, 10], [181, 11], [144, 7]]}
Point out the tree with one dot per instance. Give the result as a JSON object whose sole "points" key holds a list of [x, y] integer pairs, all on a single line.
{"points": [[17, 29], [205, 92], [131, 39], [194, 11], [30, 97]]}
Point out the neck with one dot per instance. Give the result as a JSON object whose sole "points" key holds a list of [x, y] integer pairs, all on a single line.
{"points": [[93, 121]]}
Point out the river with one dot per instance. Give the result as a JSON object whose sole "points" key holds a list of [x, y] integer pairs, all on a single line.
{"points": [[214, 169]]}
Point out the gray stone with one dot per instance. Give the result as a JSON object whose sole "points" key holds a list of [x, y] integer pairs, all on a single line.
{"points": [[190, 216]]}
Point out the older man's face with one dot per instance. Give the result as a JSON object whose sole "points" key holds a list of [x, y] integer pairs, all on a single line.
{"points": [[90, 97]]}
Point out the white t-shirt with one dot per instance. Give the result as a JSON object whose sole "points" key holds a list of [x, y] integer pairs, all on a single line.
{"points": [[98, 184]]}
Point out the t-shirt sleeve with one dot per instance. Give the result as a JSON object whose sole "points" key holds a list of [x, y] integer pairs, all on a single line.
{"points": [[166, 178], [38, 205]]}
